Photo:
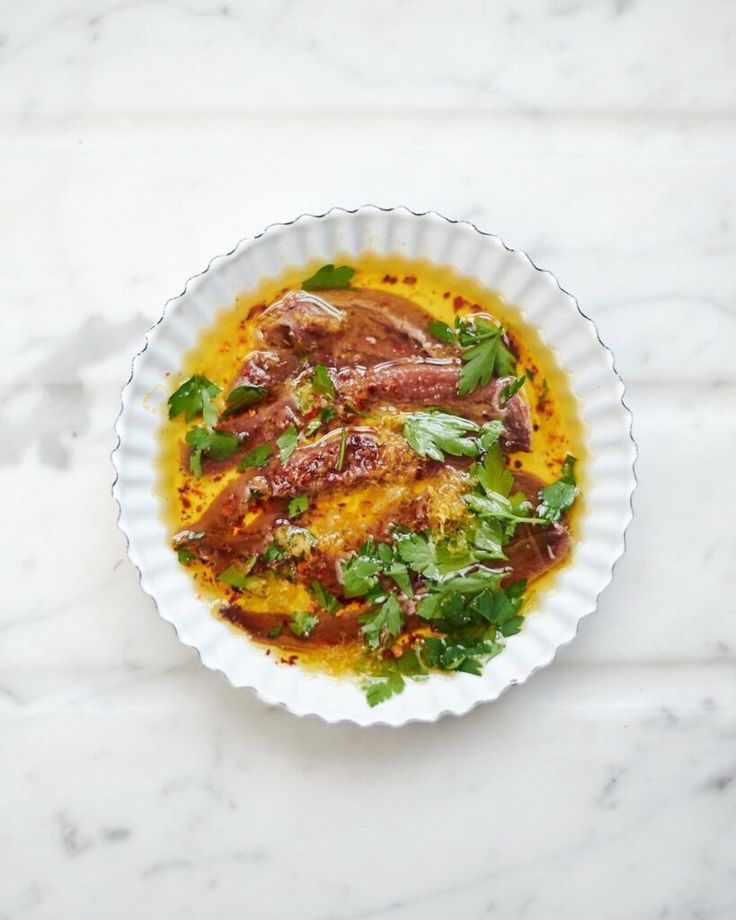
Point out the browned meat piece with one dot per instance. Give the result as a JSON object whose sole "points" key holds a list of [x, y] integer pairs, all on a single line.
{"points": [[415, 382], [331, 630], [354, 326], [536, 549], [311, 470], [266, 368]]}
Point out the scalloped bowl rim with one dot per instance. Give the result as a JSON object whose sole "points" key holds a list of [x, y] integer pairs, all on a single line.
{"points": [[541, 301]]}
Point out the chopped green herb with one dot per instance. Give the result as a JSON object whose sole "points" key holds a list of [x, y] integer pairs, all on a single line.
{"points": [[185, 555], [193, 398], [545, 391], [298, 505], [286, 442], [385, 621], [557, 498], [325, 598], [275, 631], [258, 457], [512, 388], [237, 576], [378, 691], [484, 352], [359, 575], [341, 455], [329, 278], [241, 398], [322, 382], [215, 444], [441, 331], [302, 624], [273, 553], [431, 433]]}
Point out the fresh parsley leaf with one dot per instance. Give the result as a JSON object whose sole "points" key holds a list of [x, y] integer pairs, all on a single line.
{"points": [[512, 388], [386, 620], [286, 442], [275, 631], [490, 433], [378, 691], [434, 432], [325, 598], [419, 553], [484, 352], [341, 454], [273, 553], [329, 278], [215, 444], [258, 457], [478, 365], [322, 382], [441, 331], [185, 555], [236, 576], [557, 498], [241, 398], [193, 398], [298, 505], [400, 574], [493, 474], [359, 575], [302, 624]]}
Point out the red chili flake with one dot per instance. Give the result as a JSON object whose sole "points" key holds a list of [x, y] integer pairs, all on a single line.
{"points": [[410, 279], [458, 303], [390, 279], [446, 294], [185, 502], [535, 426], [517, 464]]}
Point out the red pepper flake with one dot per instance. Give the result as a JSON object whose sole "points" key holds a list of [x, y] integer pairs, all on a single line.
{"points": [[458, 303], [389, 279], [446, 294], [410, 279]]}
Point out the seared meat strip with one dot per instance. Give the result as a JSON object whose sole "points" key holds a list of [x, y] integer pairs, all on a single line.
{"points": [[411, 382], [352, 326], [311, 470], [406, 384], [535, 547]]}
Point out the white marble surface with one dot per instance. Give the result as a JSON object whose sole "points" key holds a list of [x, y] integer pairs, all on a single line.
{"points": [[139, 139]]}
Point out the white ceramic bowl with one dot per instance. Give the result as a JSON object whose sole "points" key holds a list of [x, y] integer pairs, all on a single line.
{"points": [[572, 336]]}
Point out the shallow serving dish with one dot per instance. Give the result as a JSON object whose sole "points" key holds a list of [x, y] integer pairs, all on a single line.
{"points": [[541, 303]]}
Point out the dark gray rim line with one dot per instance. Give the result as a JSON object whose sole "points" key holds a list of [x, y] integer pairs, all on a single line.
{"points": [[445, 712]]}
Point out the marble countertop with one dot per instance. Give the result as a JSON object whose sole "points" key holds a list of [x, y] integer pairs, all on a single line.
{"points": [[139, 139]]}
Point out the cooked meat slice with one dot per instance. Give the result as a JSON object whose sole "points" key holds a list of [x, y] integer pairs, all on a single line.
{"points": [[330, 630], [266, 369], [412, 382], [311, 470], [354, 326], [536, 549]]}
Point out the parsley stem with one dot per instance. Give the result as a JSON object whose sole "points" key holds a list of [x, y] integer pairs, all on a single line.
{"points": [[341, 456]]}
